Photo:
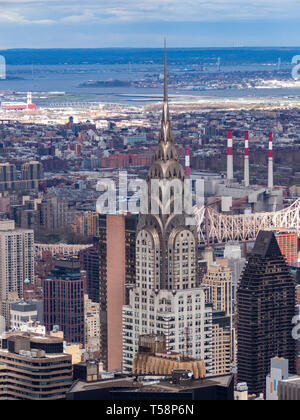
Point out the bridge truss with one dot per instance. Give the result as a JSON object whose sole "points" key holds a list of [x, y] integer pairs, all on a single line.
{"points": [[218, 228], [60, 249]]}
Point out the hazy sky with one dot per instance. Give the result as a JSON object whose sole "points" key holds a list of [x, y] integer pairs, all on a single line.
{"points": [[143, 23]]}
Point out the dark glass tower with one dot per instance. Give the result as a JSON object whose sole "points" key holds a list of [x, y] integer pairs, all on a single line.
{"points": [[64, 300], [266, 307]]}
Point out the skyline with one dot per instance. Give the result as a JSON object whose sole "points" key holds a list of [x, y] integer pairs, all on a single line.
{"points": [[144, 23], [130, 296]]}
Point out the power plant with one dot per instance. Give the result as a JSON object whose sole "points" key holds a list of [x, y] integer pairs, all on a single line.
{"points": [[235, 211], [15, 106]]}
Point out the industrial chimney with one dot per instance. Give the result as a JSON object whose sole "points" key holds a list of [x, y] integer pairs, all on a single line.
{"points": [[246, 168], [187, 162], [229, 157], [270, 169], [29, 99]]}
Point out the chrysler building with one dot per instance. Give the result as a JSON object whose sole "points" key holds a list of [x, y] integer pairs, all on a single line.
{"points": [[166, 298]]}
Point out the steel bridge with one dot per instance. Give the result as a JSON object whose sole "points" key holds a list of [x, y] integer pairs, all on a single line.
{"points": [[60, 249], [218, 228]]}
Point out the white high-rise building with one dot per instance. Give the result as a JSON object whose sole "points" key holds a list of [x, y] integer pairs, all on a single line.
{"points": [[91, 325], [16, 262], [180, 315], [166, 299]]}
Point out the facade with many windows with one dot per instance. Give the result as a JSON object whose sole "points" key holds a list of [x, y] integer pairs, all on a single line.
{"points": [[181, 316], [16, 263], [33, 368]]}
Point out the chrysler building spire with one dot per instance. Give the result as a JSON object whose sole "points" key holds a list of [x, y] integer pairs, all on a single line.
{"points": [[166, 164], [166, 133]]}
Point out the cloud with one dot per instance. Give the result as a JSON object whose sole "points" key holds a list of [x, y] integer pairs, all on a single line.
{"points": [[14, 17], [200, 10], [76, 12], [87, 16]]}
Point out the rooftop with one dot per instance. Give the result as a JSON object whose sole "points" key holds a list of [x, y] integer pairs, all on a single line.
{"points": [[155, 384]]}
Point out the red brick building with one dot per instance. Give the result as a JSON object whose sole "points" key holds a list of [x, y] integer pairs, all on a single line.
{"points": [[288, 242], [121, 160]]}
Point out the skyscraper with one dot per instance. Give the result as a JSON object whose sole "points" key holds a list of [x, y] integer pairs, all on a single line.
{"points": [[8, 177], [64, 300], [53, 213], [266, 307], [110, 267], [165, 299], [219, 293], [86, 224], [92, 325], [32, 174], [16, 263]]}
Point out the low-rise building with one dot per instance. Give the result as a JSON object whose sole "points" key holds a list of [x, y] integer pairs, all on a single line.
{"points": [[33, 367]]}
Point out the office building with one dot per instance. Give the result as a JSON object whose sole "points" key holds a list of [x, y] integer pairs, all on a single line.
{"points": [[166, 299], [236, 263], [219, 293], [86, 224], [86, 371], [8, 177], [33, 367], [279, 371], [222, 343], [288, 243], [110, 269], [177, 387], [218, 286], [53, 213], [90, 259], [289, 389], [32, 174], [266, 307], [64, 300], [24, 312], [16, 263], [92, 325]]}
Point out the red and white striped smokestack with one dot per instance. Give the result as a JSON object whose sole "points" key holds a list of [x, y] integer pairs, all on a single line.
{"points": [[229, 157], [270, 168], [29, 98], [187, 161], [246, 168]]}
